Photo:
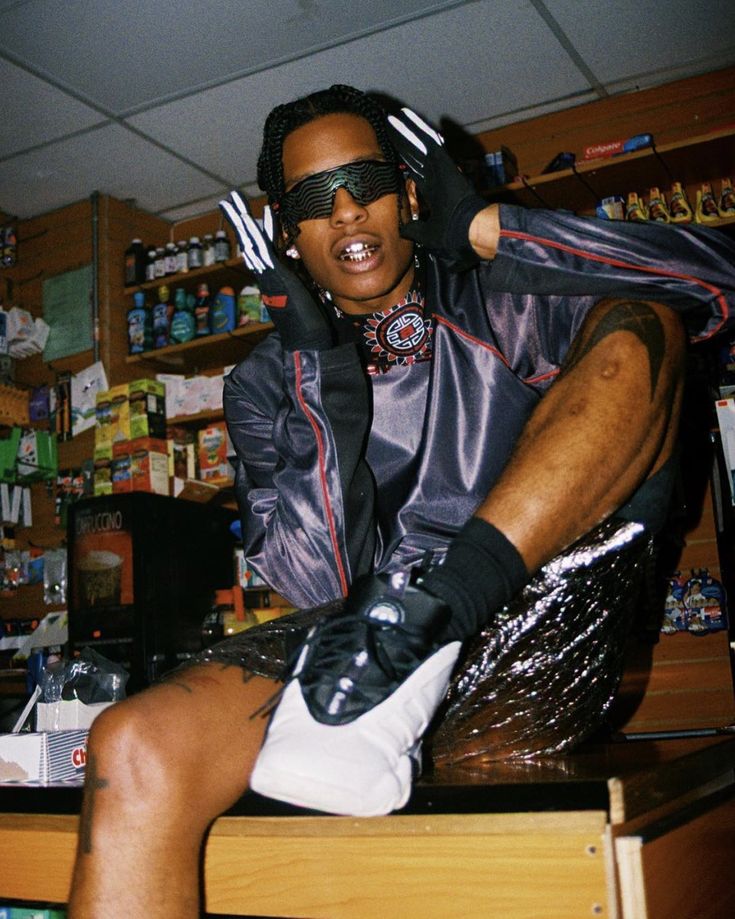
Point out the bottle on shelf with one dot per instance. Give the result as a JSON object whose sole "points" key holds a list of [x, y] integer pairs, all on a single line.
{"points": [[195, 253], [161, 321], [635, 209], [222, 314], [679, 207], [221, 246], [657, 207], [201, 311], [705, 209], [182, 322], [248, 305], [208, 253], [138, 325], [727, 199], [135, 263], [160, 262], [170, 258], [150, 265], [182, 257]]}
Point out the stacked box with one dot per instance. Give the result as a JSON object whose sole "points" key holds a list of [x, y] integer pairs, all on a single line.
{"points": [[140, 465], [214, 448], [102, 476], [147, 409]]}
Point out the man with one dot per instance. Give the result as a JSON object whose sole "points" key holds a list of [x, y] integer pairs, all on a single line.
{"points": [[394, 421]]}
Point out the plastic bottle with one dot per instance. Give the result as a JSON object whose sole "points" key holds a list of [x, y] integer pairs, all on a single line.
{"points": [[150, 266], [221, 246], [195, 254], [170, 258], [182, 257], [201, 311], [182, 322], [727, 199], [657, 209], [135, 263], [679, 207], [635, 208], [222, 316], [248, 305], [161, 319], [208, 254], [137, 319], [705, 210], [160, 262]]}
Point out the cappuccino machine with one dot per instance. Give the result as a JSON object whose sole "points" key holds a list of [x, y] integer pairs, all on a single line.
{"points": [[143, 569]]}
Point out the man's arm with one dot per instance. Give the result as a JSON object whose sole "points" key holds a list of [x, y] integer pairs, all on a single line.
{"points": [[605, 426], [542, 252], [607, 423]]}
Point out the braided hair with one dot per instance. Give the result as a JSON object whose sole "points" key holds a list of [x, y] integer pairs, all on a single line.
{"points": [[337, 99]]}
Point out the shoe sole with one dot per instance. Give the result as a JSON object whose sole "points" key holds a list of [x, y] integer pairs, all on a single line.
{"points": [[360, 769]]}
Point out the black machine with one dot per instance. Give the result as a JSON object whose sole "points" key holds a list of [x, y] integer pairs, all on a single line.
{"points": [[143, 569]]}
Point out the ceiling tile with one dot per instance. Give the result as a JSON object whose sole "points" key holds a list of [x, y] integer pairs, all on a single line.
{"points": [[511, 71], [624, 38], [35, 112], [110, 160], [153, 50]]}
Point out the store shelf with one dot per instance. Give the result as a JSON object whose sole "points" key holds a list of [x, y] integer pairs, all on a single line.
{"points": [[579, 189], [183, 421], [233, 271], [209, 351]]}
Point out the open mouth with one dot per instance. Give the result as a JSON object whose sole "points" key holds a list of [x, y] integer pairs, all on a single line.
{"points": [[357, 252]]}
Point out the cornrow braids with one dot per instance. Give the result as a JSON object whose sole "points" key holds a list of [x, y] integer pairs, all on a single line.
{"points": [[337, 99]]}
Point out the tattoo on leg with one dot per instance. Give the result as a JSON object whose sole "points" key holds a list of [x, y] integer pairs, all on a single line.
{"points": [[627, 316], [94, 783]]}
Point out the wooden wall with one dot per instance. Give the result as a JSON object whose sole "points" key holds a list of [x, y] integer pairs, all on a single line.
{"points": [[675, 112]]}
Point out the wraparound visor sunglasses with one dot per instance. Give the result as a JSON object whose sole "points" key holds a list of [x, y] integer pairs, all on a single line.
{"points": [[313, 197]]}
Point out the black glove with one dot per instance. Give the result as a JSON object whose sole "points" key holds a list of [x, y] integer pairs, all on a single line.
{"points": [[294, 312], [451, 199]]}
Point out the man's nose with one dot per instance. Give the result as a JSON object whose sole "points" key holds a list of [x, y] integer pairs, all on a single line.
{"points": [[345, 209]]}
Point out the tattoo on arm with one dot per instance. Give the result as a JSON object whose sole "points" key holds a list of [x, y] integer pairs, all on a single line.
{"points": [[94, 783], [627, 316]]}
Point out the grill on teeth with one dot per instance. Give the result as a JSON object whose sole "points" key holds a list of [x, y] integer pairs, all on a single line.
{"points": [[356, 252]]}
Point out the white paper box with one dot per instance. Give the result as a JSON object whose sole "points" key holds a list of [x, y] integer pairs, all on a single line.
{"points": [[67, 716], [41, 758]]}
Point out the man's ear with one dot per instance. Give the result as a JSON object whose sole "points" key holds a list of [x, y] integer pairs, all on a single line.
{"points": [[413, 200]]}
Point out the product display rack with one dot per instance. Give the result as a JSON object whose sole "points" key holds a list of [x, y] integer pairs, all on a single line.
{"points": [[207, 351], [702, 158]]}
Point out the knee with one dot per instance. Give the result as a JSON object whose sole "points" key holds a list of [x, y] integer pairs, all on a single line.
{"points": [[127, 749]]}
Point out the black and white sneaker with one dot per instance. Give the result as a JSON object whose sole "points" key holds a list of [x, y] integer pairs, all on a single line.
{"points": [[364, 689]]}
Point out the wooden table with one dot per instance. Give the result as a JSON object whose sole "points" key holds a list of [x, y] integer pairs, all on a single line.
{"points": [[639, 830]]}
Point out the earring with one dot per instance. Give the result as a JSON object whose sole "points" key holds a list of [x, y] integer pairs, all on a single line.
{"points": [[414, 215], [292, 252]]}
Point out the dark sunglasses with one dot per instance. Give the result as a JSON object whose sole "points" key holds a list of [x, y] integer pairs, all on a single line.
{"points": [[313, 197]]}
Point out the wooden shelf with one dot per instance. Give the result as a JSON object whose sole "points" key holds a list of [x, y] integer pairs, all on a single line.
{"points": [[580, 188], [183, 421], [232, 271], [208, 351]]}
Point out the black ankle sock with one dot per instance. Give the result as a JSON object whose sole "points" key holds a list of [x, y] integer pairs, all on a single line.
{"points": [[481, 573]]}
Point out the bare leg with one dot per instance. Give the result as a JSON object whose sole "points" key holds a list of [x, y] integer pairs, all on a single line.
{"points": [[160, 767]]}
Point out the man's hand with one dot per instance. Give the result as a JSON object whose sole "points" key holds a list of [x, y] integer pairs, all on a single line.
{"points": [[451, 199], [292, 308]]}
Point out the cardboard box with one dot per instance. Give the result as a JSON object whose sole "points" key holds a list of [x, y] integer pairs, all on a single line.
{"points": [[40, 758], [112, 420], [147, 409], [140, 465], [71, 715], [102, 476], [214, 447], [120, 469]]}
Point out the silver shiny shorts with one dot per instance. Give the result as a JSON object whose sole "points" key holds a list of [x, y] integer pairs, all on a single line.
{"points": [[539, 679]]}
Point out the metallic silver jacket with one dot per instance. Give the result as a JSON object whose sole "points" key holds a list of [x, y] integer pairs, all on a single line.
{"points": [[339, 472]]}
